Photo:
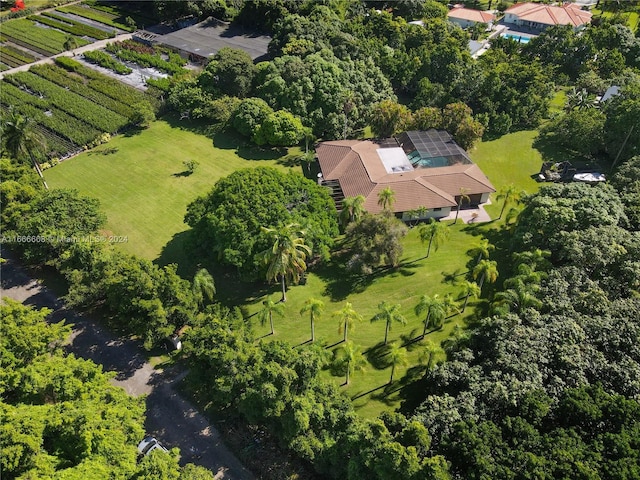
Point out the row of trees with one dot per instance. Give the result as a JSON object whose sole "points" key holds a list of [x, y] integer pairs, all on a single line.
{"points": [[61, 417]]}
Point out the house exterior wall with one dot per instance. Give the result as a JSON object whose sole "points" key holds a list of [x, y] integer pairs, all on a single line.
{"points": [[484, 198], [431, 213], [462, 22]]}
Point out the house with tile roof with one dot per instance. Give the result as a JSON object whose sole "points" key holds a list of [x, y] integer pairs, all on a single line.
{"points": [[427, 171], [466, 17], [539, 16]]}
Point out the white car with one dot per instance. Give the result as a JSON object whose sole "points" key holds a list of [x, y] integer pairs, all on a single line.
{"points": [[148, 445]]}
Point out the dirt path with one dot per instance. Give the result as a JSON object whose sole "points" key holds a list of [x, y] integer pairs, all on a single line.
{"points": [[171, 418]]}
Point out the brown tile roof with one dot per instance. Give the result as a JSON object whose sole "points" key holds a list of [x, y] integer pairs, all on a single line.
{"points": [[357, 167], [471, 15], [568, 14]]}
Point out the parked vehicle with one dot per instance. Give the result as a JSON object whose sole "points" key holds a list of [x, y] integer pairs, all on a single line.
{"points": [[148, 445]]}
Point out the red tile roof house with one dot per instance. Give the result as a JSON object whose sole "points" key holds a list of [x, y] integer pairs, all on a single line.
{"points": [[425, 170], [538, 16], [466, 17]]}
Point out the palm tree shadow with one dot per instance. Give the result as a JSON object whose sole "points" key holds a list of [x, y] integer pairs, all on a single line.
{"points": [[363, 394], [377, 356], [453, 278]]}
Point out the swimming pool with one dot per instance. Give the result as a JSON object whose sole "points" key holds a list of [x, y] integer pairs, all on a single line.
{"points": [[517, 38]]}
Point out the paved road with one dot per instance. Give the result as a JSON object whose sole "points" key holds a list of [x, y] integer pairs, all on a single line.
{"points": [[171, 418]]}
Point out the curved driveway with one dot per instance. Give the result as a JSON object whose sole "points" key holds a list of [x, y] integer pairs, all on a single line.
{"points": [[171, 418]]}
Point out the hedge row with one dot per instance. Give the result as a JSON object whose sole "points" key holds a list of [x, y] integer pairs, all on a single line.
{"points": [[107, 61], [75, 84], [98, 116], [44, 39], [107, 85], [70, 26], [98, 16]]}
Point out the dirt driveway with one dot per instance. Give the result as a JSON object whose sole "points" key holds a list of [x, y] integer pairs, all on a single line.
{"points": [[171, 418]]}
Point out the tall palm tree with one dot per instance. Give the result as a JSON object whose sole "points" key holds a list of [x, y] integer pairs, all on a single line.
{"points": [[508, 193], [386, 198], [461, 198], [483, 249], [536, 258], [486, 270], [517, 298], [429, 353], [315, 308], [21, 139], [435, 309], [347, 318], [203, 286], [435, 232], [469, 289], [352, 210], [270, 308], [286, 257], [389, 313], [353, 359], [397, 356]]}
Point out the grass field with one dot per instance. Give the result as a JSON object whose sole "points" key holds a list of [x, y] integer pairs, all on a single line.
{"points": [[141, 184], [144, 193]]}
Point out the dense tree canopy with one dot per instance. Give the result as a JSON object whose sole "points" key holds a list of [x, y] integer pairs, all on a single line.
{"points": [[227, 223]]}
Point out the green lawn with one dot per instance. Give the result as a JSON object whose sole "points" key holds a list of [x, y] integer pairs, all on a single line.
{"points": [[145, 197], [140, 185]]}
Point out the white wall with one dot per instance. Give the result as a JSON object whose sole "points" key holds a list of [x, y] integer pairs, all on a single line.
{"points": [[431, 213]]}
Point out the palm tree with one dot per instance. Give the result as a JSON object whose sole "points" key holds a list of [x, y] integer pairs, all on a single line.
{"points": [[352, 209], [536, 259], [508, 193], [435, 309], [517, 298], [580, 99], [512, 216], [469, 289], [461, 198], [429, 353], [315, 308], [397, 356], [482, 249], [353, 359], [435, 232], [486, 270], [450, 305], [386, 198], [270, 307], [21, 139], [348, 316], [286, 258], [203, 285], [389, 313]]}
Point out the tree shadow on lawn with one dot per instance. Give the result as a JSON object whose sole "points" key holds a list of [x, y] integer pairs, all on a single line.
{"points": [[378, 356], [228, 139], [397, 390], [230, 289], [340, 282]]}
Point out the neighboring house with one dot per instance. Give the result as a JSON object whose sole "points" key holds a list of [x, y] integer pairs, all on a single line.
{"points": [[466, 17], [538, 16], [425, 170]]}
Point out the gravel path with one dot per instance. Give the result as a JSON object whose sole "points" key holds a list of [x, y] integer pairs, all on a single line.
{"points": [[171, 418]]}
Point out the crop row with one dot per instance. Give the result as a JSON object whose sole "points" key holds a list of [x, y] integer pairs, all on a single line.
{"points": [[145, 59], [139, 11], [96, 115], [107, 85], [107, 61], [46, 115], [3, 67], [70, 26], [44, 39], [16, 55], [91, 14], [75, 84]]}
